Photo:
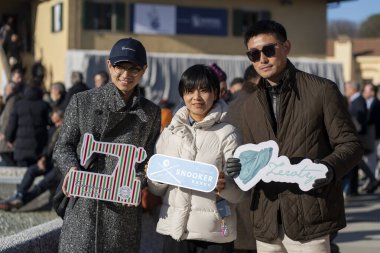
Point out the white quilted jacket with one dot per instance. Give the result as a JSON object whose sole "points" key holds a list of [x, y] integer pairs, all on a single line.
{"points": [[193, 215]]}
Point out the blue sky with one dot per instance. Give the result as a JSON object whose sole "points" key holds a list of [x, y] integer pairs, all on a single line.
{"points": [[355, 10]]}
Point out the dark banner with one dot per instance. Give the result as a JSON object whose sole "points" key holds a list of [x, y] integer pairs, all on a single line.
{"points": [[202, 21]]}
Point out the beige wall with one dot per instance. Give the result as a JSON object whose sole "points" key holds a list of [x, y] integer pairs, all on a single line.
{"points": [[49, 46], [359, 68], [343, 54], [369, 68]]}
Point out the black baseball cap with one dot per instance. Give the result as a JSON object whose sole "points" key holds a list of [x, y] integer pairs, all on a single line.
{"points": [[128, 50]]}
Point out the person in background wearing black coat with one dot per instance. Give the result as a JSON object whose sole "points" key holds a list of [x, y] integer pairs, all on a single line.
{"points": [[373, 105], [57, 95], [360, 116], [78, 86], [27, 126], [38, 70]]}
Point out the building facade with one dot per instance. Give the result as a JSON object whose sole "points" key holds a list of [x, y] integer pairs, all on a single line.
{"points": [[360, 58], [53, 27], [208, 26]]}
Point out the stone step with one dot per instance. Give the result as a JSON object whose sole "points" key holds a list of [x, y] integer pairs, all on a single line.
{"points": [[11, 175]]}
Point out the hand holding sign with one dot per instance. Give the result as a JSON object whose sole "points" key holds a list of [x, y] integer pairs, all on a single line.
{"points": [[122, 186], [261, 162], [183, 173]]}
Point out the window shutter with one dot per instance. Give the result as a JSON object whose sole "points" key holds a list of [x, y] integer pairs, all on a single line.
{"points": [[88, 10], [120, 16], [238, 22]]}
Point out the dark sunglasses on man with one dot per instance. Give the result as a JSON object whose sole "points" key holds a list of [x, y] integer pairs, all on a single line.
{"points": [[269, 50]]}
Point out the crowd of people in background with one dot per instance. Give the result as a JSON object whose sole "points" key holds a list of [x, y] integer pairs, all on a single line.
{"points": [[364, 108], [31, 120], [11, 44]]}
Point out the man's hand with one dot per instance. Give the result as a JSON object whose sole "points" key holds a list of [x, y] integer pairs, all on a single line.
{"points": [[324, 181], [41, 164], [233, 167], [65, 181], [134, 205], [9, 145]]}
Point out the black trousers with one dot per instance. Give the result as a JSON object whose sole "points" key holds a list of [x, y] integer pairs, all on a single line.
{"points": [[8, 159], [192, 246], [30, 175]]}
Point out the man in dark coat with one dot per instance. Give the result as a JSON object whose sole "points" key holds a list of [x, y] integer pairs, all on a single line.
{"points": [[57, 95], [357, 107], [115, 112], [78, 86], [307, 117], [373, 105], [27, 126]]}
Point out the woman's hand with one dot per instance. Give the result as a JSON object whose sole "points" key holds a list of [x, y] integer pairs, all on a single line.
{"points": [[221, 183], [65, 181]]}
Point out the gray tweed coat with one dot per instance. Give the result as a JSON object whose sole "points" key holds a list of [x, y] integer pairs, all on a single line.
{"points": [[100, 226]]}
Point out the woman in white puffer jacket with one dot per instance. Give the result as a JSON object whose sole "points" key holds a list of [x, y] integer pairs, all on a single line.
{"points": [[189, 219]]}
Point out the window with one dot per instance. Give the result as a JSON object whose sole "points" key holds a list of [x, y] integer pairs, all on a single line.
{"points": [[244, 19], [98, 15], [56, 12]]}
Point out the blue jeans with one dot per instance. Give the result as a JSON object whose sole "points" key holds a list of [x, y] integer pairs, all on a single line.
{"points": [[49, 180]]}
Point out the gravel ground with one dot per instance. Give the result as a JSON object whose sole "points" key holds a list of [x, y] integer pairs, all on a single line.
{"points": [[35, 213], [14, 222], [38, 212]]}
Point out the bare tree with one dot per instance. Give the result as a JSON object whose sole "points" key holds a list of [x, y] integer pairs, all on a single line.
{"points": [[371, 27], [342, 27]]}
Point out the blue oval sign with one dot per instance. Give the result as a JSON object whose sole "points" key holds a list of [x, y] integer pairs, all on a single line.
{"points": [[183, 173]]}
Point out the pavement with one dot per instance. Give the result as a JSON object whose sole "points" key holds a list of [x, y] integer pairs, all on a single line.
{"points": [[362, 234]]}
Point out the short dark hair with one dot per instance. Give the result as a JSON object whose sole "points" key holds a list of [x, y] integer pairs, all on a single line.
{"points": [[76, 77], [250, 73], [104, 75], [236, 80], [198, 76], [59, 112], [354, 84], [373, 87], [60, 87], [265, 27]]}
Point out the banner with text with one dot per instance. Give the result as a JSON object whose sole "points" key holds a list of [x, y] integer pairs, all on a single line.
{"points": [[183, 173], [171, 20]]}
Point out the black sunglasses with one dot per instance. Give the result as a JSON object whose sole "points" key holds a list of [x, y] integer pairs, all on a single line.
{"points": [[269, 50]]}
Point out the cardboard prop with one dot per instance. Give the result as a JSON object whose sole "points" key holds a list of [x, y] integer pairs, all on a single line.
{"points": [[121, 186], [261, 162], [183, 173]]}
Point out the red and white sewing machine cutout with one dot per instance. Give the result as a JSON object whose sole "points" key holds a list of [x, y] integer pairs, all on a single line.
{"points": [[121, 186]]}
